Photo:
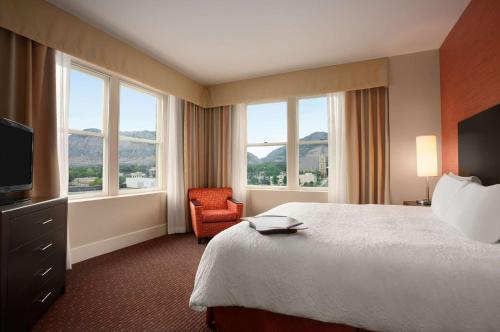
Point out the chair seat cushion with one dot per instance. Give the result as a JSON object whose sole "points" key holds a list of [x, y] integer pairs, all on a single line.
{"points": [[218, 215]]}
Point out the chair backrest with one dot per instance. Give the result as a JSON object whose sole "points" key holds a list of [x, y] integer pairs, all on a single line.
{"points": [[211, 198]]}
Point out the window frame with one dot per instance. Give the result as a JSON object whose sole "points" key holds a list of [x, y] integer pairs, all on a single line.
{"points": [[111, 136], [104, 135], [158, 141], [277, 144], [299, 142], [292, 144]]}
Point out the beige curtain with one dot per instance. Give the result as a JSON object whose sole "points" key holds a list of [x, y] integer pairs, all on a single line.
{"points": [[207, 147], [367, 145], [28, 96]]}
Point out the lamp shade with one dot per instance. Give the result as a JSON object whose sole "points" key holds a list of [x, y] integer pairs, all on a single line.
{"points": [[427, 156]]}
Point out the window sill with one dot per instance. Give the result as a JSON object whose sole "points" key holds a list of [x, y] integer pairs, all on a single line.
{"points": [[120, 195], [270, 188]]}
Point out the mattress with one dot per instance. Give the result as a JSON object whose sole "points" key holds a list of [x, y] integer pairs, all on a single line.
{"points": [[379, 267]]}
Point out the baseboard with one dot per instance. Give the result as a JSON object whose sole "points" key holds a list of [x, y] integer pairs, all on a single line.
{"points": [[102, 247]]}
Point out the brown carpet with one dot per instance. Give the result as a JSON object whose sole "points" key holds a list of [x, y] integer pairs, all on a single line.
{"points": [[145, 287]]}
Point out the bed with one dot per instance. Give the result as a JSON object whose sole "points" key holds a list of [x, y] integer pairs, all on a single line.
{"points": [[357, 267]]}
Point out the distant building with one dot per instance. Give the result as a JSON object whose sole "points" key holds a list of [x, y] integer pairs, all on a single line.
{"points": [[323, 165], [136, 175], [83, 182], [306, 178], [281, 178], [152, 172], [140, 182]]}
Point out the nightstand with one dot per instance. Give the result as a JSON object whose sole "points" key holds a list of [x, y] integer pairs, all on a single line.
{"points": [[414, 203]]}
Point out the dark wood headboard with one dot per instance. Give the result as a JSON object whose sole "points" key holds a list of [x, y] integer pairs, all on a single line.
{"points": [[479, 146]]}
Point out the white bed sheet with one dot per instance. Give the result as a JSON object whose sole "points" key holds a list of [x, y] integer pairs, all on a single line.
{"points": [[386, 268]]}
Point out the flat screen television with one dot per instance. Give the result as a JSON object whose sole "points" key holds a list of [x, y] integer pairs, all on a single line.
{"points": [[16, 156]]}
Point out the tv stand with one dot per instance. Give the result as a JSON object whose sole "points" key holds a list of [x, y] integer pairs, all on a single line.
{"points": [[6, 200], [32, 260]]}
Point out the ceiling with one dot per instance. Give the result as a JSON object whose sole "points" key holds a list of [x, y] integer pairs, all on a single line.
{"points": [[216, 41]]}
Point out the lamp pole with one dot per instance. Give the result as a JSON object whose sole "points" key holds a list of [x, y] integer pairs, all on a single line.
{"points": [[428, 198]]}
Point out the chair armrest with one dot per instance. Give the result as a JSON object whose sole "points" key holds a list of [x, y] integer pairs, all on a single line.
{"points": [[235, 206], [196, 215], [196, 202]]}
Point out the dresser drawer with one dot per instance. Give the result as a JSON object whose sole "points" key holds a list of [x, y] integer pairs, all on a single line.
{"points": [[24, 261], [52, 266], [30, 226], [47, 295], [31, 270], [24, 311]]}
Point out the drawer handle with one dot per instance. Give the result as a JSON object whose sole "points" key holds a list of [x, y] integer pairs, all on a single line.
{"points": [[44, 247], [48, 221], [44, 272], [43, 297]]}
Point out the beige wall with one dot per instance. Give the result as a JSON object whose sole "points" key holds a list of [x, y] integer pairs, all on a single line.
{"points": [[261, 200], [414, 109], [116, 220]]}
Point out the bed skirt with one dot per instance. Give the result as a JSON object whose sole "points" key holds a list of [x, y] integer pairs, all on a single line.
{"points": [[229, 319]]}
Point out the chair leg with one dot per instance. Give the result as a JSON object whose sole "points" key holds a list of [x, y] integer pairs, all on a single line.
{"points": [[199, 240]]}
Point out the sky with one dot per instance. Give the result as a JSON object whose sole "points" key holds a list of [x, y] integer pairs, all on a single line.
{"points": [[268, 122], [137, 109]]}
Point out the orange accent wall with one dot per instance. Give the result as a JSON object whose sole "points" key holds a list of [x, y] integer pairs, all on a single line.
{"points": [[470, 72]]}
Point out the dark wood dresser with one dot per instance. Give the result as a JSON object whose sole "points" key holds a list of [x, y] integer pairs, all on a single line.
{"points": [[33, 237]]}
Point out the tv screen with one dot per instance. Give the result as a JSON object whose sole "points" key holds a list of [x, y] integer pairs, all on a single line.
{"points": [[16, 156]]}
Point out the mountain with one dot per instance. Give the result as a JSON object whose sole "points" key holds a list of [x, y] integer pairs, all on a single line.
{"points": [[308, 154], [87, 150], [252, 159]]}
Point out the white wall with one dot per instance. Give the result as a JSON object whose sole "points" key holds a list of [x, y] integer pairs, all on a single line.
{"points": [[414, 109], [98, 226]]}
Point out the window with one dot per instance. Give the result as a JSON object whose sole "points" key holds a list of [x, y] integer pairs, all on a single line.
{"points": [[114, 131], [267, 144], [287, 143], [313, 142], [87, 133], [138, 141]]}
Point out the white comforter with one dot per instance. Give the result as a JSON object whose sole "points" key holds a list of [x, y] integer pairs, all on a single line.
{"points": [[386, 268]]}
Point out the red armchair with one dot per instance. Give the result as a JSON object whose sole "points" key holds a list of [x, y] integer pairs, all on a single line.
{"points": [[213, 210]]}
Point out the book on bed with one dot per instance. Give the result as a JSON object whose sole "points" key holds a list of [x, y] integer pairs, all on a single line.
{"points": [[273, 224]]}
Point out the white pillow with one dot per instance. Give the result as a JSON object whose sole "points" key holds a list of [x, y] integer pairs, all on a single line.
{"points": [[465, 178], [444, 193], [476, 212]]}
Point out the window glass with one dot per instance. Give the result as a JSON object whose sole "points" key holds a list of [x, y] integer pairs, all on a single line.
{"points": [[86, 101], [313, 119], [313, 165], [266, 166], [313, 128], [137, 165], [85, 158], [137, 147], [266, 147], [267, 122], [86, 140], [137, 113]]}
